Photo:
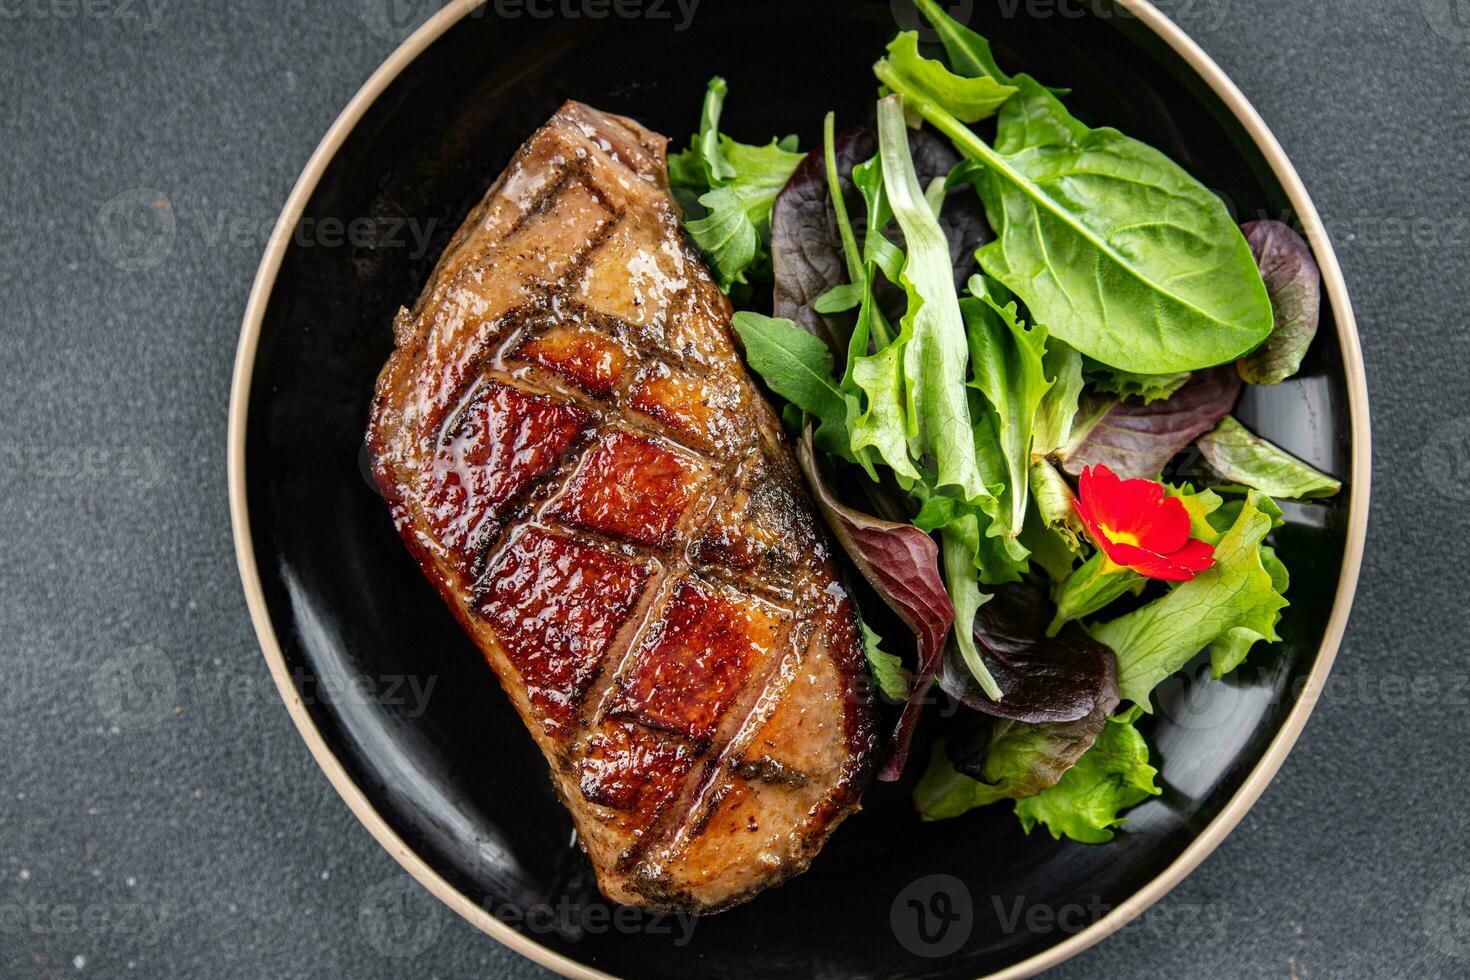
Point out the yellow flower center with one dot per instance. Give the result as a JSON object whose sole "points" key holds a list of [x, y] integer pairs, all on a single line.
{"points": [[1121, 537]]}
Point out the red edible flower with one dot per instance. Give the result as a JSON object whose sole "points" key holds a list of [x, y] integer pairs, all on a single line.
{"points": [[1138, 526]]}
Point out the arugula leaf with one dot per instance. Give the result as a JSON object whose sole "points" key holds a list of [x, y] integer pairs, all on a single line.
{"points": [[969, 53], [1244, 458], [969, 98], [1111, 776], [736, 185], [1230, 606], [1106, 240], [893, 680], [1294, 284], [932, 332], [1006, 360], [798, 367]]}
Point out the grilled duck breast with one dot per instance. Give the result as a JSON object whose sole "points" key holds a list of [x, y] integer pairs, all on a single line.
{"points": [[575, 455]]}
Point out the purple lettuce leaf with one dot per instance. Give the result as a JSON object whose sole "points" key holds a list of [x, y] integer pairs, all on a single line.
{"points": [[1294, 284], [1137, 439], [901, 563], [806, 246], [1042, 679]]}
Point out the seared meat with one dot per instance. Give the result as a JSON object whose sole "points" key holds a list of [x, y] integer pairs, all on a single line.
{"points": [[573, 452]]}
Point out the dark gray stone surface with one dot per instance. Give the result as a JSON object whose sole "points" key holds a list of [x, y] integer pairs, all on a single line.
{"points": [[190, 834]]}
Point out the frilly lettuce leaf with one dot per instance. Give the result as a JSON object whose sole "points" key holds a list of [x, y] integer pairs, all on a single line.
{"points": [[1228, 607], [1006, 361], [1087, 802], [1126, 384]]}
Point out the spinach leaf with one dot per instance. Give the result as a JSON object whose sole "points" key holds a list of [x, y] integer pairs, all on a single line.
{"points": [[1294, 284], [1111, 776], [735, 185], [1137, 439], [798, 367], [1228, 607], [1244, 458], [969, 53], [1107, 241]]}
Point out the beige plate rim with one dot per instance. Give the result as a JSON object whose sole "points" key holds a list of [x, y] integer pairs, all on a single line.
{"points": [[1206, 842]]}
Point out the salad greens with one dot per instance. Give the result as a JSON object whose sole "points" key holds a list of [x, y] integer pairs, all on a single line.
{"points": [[1243, 458], [1109, 243], [943, 410], [731, 186]]}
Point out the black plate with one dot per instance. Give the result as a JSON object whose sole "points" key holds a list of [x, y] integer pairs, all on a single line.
{"points": [[461, 782]]}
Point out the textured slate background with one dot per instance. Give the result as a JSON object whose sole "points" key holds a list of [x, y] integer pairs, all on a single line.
{"points": [[174, 825]]}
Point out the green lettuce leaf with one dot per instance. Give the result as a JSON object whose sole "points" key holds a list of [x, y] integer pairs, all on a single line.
{"points": [[1020, 760], [1058, 409], [1006, 361], [932, 331], [1056, 505], [1244, 458], [1230, 607], [1092, 587], [888, 671], [1111, 776], [1149, 387]]}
